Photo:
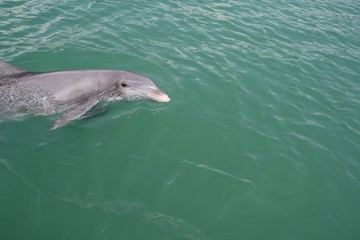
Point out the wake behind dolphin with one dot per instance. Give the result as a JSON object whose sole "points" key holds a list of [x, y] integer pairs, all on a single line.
{"points": [[73, 93]]}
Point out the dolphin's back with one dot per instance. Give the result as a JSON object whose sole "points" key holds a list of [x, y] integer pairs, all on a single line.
{"points": [[68, 85], [10, 73], [22, 92]]}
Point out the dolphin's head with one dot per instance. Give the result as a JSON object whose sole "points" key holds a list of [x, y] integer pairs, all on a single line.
{"points": [[132, 86]]}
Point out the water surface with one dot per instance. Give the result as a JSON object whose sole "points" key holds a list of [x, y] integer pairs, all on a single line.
{"points": [[260, 141]]}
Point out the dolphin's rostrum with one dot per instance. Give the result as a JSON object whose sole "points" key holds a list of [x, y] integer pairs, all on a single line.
{"points": [[71, 92]]}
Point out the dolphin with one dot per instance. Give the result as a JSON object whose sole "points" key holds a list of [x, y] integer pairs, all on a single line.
{"points": [[72, 93]]}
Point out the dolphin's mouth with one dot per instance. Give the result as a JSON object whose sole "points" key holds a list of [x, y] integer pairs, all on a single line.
{"points": [[158, 97]]}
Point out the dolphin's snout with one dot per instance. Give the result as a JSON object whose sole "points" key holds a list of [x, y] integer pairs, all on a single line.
{"points": [[159, 97], [164, 98]]}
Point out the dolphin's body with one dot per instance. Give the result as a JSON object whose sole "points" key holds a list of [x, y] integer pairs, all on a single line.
{"points": [[71, 92]]}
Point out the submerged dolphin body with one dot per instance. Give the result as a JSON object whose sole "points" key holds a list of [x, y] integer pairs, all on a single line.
{"points": [[71, 92]]}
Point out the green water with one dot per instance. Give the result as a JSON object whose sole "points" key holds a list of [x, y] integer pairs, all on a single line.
{"points": [[261, 139]]}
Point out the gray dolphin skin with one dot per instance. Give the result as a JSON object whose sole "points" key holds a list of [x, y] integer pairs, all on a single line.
{"points": [[72, 93]]}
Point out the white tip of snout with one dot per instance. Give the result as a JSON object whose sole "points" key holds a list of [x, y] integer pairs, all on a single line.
{"points": [[164, 98], [159, 97]]}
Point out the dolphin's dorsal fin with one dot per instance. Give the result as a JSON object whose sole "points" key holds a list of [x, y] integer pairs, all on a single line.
{"points": [[8, 71]]}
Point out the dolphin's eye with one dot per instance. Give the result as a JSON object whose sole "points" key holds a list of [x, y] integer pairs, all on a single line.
{"points": [[124, 85]]}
